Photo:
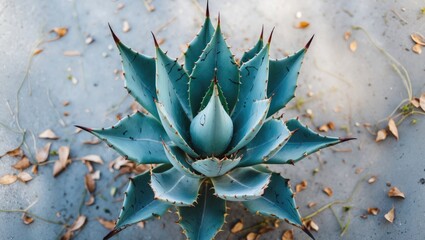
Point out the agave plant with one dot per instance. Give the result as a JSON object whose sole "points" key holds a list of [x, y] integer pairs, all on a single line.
{"points": [[210, 130]]}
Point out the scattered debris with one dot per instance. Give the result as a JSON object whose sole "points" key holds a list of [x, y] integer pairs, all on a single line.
{"points": [[17, 152], [60, 33], [251, 236], [72, 53], [92, 158], [311, 225], [418, 38], [390, 215], [393, 128], [89, 183], [395, 192], [108, 224], [43, 153], [237, 227], [311, 204], [353, 46], [303, 24], [381, 135], [8, 179], [24, 177], [48, 134], [149, 6], [372, 180], [301, 186], [417, 48], [93, 141], [373, 211], [328, 191], [37, 51], [63, 161], [89, 40], [126, 26], [347, 35], [22, 164], [288, 235]]}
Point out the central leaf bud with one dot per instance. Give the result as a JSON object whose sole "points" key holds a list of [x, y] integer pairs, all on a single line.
{"points": [[212, 129]]}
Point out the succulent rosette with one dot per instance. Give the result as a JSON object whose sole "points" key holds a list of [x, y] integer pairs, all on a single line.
{"points": [[210, 130]]}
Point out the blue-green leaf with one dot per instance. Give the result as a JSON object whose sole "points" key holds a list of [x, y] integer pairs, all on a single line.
{"points": [[137, 137], [213, 167], [211, 130], [178, 138], [139, 72], [302, 143], [204, 220], [194, 50], [172, 86], [216, 61], [255, 50], [254, 74], [283, 76], [206, 98], [241, 184], [270, 139], [277, 201], [179, 160], [139, 204], [247, 123], [172, 186]]}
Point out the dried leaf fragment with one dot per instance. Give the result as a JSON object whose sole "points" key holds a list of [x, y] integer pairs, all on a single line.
{"points": [[92, 158], [237, 227], [422, 101], [415, 102], [353, 46], [17, 152], [126, 26], [90, 201], [373, 211], [381, 135], [24, 177], [347, 35], [60, 31], [372, 180], [93, 141], [43, 153], [251, 236], [395, 192], [37, 51], [48, 134], [390, 215], [89, 183], [89, 40], [301, 186], [418, 38], [303, 24], [72, 53], [108, 224], [288, 235], [328, 191], [22, 164], [311, 204], [79, 223], [417, 49], [311, 225], [58, 167], [8, 179], [63, 152], [149, 6], [27, 219]]}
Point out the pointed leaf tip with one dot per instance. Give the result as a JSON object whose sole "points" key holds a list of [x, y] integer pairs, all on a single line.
{"points": [[271, 35], [116, 39], [154, 39], [262, 32], [347, 139], [207, 12], [309, 42], [218, 21], [84, 128], [112, 233], [304, 228]]}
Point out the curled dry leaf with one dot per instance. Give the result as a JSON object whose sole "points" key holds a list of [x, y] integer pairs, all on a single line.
{"points": [[418, 38], [90, 201], [422, 101], [390, 215], [311, 225], [288, 235], [89, 183], [353, 46], [301, 186], [303, 24], [63, 161], [24, 177], [237, 227], [417, 49], [251, 236], [395, 192], [58, 167], [126, 26], [373, 211], [37, 51], [17, 152], [381, 135], [93, 141], [34, 169], [92, 158], [393, 128], [79, 223], [8, 179], [48, 134], [108, 224], [27, 219], [328, 191], [22, 164], [372, 179], [43, 153], [415, 102]]}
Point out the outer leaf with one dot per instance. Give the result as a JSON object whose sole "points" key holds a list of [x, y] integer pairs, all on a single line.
{"points": [[283, 76], [255, 50], [198, 44], [178, 138], [172, 85], [215, 61], [247, 123], [139, 204], [303, 142], [139, 76], [242, 184], [204, 220], [254, 74], [137, 137], [179, 160], [269, 140], [170, 185], [277, 201], [213, 167], [211, 130]]}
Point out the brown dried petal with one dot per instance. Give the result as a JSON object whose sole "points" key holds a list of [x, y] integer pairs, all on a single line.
{"points": [[90, 201], [22, 164], [418, 38], [108, 224], [422, 101], [347, 35], [301, 186], [43, 153], [126, 26], [24, 177], [141, 224], [48, 134], [17, 152], [372, 179], [71, 53], [381, 135], [37, 51], [324, 128], [311, 204], [353, 46], [373, 211], [393, 128], [63, 152], [92, 158], [90, 183], [303, 24], [237, 227], [79, 223], [251, 236], [27, 219], [8, 179], [288, 235], [58, 167], [93, 141], [417, 49], [328, 191], [390, 215], [60, 31], [395, 192]]}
